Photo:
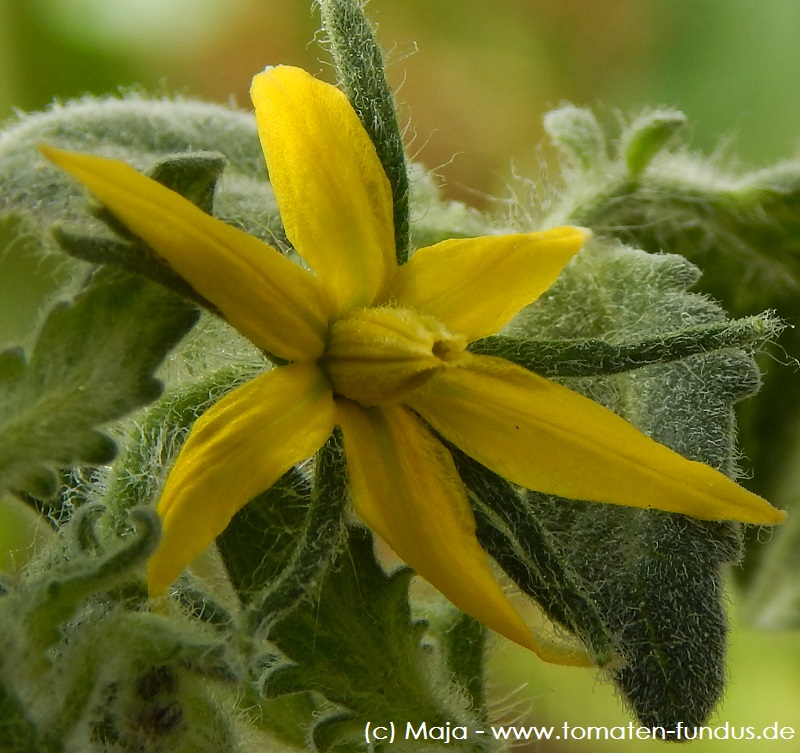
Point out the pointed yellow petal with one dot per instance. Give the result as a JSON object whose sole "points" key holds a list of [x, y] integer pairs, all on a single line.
{"points": [[543, 436], [238, 449], [334, 197], [406, 488], [273, 302], [475, 286]]}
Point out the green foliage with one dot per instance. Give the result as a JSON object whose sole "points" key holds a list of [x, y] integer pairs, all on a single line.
{"points": [[155, 440], [92, 363], [600, 356], [58, 598], [648, 135], [299, 632], [83, 667], [579, 135], [357, 645], [654, 194], [464, 642]]}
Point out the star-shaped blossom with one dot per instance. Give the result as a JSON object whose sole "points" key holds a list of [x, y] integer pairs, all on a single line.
{"points": [[380, 351]]}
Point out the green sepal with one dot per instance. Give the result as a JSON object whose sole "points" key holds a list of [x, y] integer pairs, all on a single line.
{"points": [[158, 437], [360, 68], [99, 248], [193, 175], [648, 135], [360, 626], [740, 227], [203, 607], [260, 539], [92, 363], [278, 547], [508, 529], [599, 357]]}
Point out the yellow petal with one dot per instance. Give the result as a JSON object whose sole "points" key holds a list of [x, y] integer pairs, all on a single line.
{"points": [[475, 286], [237, 449], [334, 197], [543, 436], [273, 302], [405, 487]]}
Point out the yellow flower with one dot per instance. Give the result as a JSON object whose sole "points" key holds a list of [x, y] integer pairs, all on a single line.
{"points": [[379, 350]]}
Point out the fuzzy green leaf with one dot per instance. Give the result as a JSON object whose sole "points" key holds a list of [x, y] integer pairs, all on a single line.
{"points": [[648, 135], [579, 137], [465, 647], [530, 554], [92, 363], [54, 600], [146, 132], [356, 644]]}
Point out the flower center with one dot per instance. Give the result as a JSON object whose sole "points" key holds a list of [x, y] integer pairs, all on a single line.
{"points": [[377, 355]]}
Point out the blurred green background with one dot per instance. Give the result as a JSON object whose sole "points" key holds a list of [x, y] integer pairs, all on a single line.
{"points": [[474, 78]]}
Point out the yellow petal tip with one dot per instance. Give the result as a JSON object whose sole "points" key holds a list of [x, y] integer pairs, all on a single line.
{"points": [[776, 516], [552, 651], [569, 232]]}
